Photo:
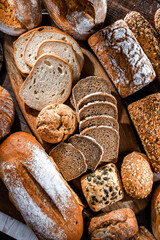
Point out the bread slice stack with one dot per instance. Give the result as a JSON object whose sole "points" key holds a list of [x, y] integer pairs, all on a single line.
{"points": [[97, 113]]}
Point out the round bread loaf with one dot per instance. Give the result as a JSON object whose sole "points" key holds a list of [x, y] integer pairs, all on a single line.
{"points": [[137, 176], [56, 122], [6, 112]]}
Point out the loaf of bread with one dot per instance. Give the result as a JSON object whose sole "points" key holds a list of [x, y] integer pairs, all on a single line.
{"points": [[147, 38], [137, 176], [143, 234], [122, 57], [102, 187], [145, 116], [56, 122], [157, 20], [119, 224], [18, 16], [46, 202], [78, 18], [7, 112], [155, 213]]}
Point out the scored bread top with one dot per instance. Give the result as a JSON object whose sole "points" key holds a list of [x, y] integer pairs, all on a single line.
{"points": [[38, 37], [63, 50], [50, 81]]}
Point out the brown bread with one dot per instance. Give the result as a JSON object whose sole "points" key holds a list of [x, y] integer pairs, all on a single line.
{"points": [[143, 234]]}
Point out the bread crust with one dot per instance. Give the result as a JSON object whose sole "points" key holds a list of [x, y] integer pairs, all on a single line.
{"points": [[155, 213], [51, 212], [143, 234], [78, 18]]}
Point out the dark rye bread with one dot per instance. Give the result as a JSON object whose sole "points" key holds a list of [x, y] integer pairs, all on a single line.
{"points": [[102, 120], [70, 161], [145, 115], [98, 108], [108, 138], [91, 150], [94, 97], [89, 85]]}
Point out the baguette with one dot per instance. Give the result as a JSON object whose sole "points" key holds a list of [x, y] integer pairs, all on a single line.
{"points": [[46, 202]]}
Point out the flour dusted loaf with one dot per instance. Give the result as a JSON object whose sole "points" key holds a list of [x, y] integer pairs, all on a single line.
{"points": [[70, 161], [145, 116], [155, 213], [102, 187], [46, 202], [78, 18], [119, 224], [143, 234], [7, 112], [91, 150], [18, 16], [63, 50], [50, 81], [108, 138], [30, 53], [122, 57], [137, 176], [147, 38], [56, 122]]}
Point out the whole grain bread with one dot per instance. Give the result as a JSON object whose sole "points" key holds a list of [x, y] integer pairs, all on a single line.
{"points": [[91, 150], [98, 108], [37, 38], [145, 114], [70, 161], [50, 81], [122, 57], [147, 38], [108, 138], [102, 120], [96, 97], [63, 50], [89, 85]]}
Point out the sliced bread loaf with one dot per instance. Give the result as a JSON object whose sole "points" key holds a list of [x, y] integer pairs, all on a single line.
{"points": [[94, 97], [70, 161], [98, 108], [108, 138], [50, 81], [91, 150], [37, 38], [102, 120], [89, 85], [63, 50]]}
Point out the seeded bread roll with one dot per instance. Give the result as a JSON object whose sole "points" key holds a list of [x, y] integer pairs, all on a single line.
{"points": [[102, 187], [137, 176], [56, 122], [120, 224], [147, 38], [145, 116], [143, 234], [157, 20], [122, 57]]}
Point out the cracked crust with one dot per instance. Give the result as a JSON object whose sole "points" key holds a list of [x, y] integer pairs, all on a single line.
{"points": [[56, 122]]}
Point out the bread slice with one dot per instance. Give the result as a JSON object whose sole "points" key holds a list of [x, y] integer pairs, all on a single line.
{"points": [[63, 50], [91, 150], [50, 81], [38, 37], [89, 85], [19, 47], [102, 120], [98, 108], [108, 138], [70, 161]]}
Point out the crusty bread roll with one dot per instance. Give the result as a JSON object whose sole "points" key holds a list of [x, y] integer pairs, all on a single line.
{"points": [[46, 202], [78, 18], [18, 16], [155, 213]]}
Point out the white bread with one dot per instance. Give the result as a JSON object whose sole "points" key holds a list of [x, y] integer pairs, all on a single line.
{"points": [[65, 51], [38, 37], [50, 81], [48, 205]]}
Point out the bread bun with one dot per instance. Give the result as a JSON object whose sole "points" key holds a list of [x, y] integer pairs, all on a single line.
{"points": [[137, 176], [155, 213], [78, 18], [56, 122], [18, 16]]}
